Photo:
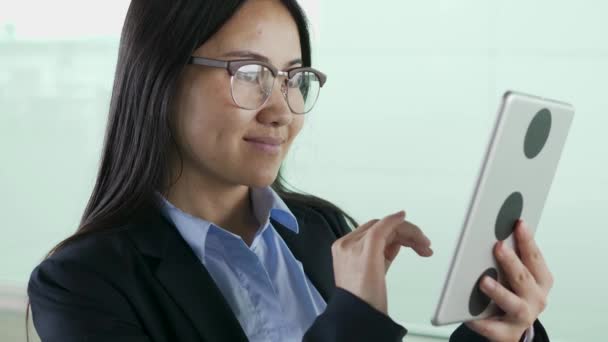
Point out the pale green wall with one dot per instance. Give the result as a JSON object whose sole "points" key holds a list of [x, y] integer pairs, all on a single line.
{"points": [[380, 140]]}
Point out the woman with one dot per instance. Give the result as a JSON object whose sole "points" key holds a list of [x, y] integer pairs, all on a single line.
{"points": [[190, 233]]}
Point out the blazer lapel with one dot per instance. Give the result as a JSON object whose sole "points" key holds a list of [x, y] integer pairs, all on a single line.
{"points": [[191, 286], [187, 280], [312, 246]]}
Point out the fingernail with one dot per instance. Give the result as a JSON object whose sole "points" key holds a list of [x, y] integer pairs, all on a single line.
{"points": [[400, 213], [523, 227], [488, 283], [500, 248]]}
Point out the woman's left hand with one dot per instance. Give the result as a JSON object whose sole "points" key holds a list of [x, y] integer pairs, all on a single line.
{"points": [[530, 281]]}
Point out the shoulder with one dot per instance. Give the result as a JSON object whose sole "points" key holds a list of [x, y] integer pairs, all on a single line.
{"points": [[87, 261], [87, 285], [106, 246]]}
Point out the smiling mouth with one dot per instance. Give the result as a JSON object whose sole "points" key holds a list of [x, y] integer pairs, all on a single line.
{"points": [[264, 147], [266, 140]]}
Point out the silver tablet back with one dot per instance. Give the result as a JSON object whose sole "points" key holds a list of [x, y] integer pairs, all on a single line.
{"points": [[513, 182]]}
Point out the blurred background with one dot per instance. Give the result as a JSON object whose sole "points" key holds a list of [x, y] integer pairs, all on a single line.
{"points": [[403, 122]]}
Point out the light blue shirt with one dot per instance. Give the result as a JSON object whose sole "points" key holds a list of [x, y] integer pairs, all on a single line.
{"points": [[265, 285]]}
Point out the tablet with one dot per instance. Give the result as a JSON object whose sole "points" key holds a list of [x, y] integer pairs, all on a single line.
{"points": [[513, 182]]}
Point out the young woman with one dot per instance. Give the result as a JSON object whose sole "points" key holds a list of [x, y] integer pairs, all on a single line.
{"points": [[190, 233]]}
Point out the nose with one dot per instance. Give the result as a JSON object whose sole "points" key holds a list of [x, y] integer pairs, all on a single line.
{"points": [[276, 111]]}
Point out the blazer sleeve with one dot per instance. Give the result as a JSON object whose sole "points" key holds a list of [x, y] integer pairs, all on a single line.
{"points": [[348, 317], [464, 334], [65, 309]]}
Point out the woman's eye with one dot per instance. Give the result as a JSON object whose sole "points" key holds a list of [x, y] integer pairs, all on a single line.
{"points": [[247, 76], [295, 81]]}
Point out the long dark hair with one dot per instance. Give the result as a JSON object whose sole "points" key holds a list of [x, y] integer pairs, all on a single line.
{"points": [[157, 39]]}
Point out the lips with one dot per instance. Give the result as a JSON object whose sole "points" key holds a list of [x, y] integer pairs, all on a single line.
{"points": [[266, 140]]}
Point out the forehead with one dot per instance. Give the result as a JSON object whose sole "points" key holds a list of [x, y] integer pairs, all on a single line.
{"points": [[265, 27]]}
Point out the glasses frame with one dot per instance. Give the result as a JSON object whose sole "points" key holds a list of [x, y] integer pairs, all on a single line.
{"points": [[232, 66]]}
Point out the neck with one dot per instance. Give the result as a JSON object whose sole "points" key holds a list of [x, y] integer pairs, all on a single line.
{"points": [[226, 205]]}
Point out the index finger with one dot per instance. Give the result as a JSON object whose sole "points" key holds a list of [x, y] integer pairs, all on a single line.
{"points": [[390, 231], [409, 234]]}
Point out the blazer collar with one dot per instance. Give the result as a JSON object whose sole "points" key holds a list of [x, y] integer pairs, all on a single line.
{"points": [[191, 286]]}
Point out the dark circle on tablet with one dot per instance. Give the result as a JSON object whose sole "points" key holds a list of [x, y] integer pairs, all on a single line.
{"points": [[479, 301], [538, 133], [508, 215]]}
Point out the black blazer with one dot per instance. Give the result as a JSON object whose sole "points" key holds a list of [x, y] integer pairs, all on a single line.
{"points": [[142, 282]]}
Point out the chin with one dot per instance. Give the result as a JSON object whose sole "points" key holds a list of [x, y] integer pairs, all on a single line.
{"points": [[261, 179]]}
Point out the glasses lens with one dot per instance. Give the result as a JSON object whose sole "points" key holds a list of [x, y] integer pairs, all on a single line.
{"points": [[302, 91], [251, 86]]}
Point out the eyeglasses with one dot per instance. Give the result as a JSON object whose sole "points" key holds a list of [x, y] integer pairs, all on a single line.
{"points": [[252, 81]]}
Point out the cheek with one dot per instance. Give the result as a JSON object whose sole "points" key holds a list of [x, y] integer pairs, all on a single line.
{"points": [[296, 127], [207, 114], [213, 131]]}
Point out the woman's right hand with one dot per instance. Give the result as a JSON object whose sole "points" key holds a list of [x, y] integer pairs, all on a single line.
{"points": [[362, 257]]}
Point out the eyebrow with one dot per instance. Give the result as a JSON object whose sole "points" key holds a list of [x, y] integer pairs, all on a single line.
{"points": [[251, 54]]}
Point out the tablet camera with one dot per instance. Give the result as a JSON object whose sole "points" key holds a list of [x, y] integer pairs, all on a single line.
{"points": [[538, 133]]}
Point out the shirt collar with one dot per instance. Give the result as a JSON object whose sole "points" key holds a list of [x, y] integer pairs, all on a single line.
{"points": [[266, 204]]}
